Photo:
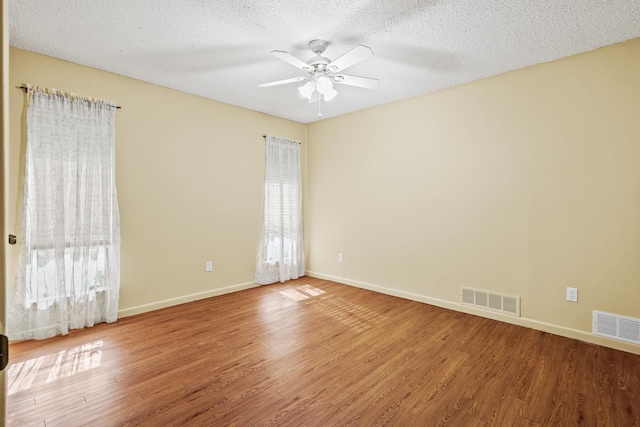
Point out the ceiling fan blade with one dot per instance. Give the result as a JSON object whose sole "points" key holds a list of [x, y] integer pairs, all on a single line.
{"points": [[282, 82], [355, 55], [287, 57], [364, 82]]}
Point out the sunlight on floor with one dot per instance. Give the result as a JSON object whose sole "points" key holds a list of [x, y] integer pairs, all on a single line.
{"points": [[54, 366], [272, 304], [301, 292], [20, 376], [278, 310], [76, 360], [348, 313], [294, 295]]}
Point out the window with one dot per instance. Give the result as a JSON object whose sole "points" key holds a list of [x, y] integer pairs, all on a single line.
{"points": [[281, 254], [69, 272]]}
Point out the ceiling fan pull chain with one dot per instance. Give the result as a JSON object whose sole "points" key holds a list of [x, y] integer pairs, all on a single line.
{"points": [[320, 106]]}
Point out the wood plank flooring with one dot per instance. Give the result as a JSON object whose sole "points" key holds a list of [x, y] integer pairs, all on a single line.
{"points": [[316, 353]]}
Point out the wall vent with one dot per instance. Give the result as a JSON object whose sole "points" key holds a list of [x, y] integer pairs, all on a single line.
{"points": [[507, 304], [615, 326]]}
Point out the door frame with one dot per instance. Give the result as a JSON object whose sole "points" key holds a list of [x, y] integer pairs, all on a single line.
{"points": [[4, 135]]}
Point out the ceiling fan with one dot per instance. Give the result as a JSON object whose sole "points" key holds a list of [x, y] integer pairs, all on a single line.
{"points": [[322, 72]]}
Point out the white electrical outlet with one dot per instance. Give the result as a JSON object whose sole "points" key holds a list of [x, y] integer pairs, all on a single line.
{"points": [[572, 294], [340, 257], [209, 266]]}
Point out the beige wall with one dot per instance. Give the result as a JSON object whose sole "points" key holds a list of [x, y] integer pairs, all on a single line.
{"points": [[524, 183], [189, 175]]}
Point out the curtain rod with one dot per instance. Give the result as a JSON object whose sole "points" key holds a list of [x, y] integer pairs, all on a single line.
{"points": [[265, 137], [26, 88]]}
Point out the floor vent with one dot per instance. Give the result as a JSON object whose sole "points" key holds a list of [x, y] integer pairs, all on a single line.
{"points": [[615, 326], [507, 304]]}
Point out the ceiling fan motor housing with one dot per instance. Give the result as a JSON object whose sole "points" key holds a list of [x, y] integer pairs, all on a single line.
{"points": [[318, 46], [318, 62]]}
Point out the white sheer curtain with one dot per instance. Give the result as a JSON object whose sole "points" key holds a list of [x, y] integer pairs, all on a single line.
{"points": [[281, 252], [69, 271]]}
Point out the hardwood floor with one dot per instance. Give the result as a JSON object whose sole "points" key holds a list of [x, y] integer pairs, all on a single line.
{"points": [[317, 353]]}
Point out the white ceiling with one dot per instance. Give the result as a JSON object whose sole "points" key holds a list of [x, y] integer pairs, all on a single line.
{"points": [[220, 49]]}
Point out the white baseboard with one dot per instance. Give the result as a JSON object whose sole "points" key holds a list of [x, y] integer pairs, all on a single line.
{"points": [[183, 299], [520, 321]]}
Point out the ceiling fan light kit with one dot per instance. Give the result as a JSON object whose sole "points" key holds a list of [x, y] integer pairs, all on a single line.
{"points": [[322, 72]]}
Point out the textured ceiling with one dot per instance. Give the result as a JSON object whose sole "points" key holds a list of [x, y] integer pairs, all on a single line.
{"points": [[220, 49]]}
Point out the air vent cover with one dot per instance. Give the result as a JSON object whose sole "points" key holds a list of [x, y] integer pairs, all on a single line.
{"points": [[494, 301], [615, 326]]}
